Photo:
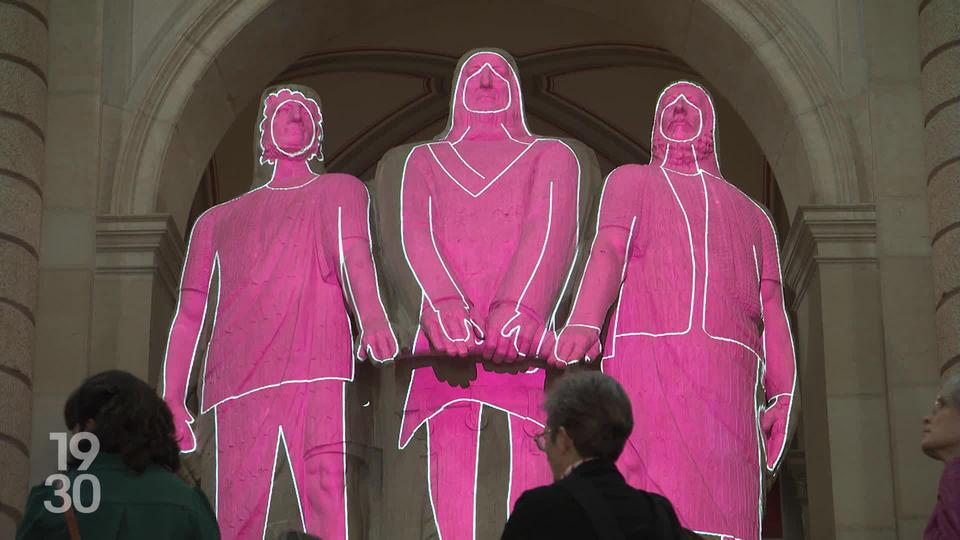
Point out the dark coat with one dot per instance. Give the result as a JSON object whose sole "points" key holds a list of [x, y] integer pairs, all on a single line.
{"points": [[552, 512], [152, 505]]}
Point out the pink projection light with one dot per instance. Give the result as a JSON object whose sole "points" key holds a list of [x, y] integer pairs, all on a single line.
{"points": [[489, 227], [294, 103], [699, 327], [288, 255]]}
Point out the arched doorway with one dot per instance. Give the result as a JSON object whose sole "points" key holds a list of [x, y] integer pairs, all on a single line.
{"points": [[757, 57]]}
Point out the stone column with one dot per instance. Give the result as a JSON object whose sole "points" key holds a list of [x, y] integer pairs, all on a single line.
{"points": [[940, 77], [23, 108], [830, 263]]}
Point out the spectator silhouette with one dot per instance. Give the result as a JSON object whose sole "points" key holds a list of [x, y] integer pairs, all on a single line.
{"points": [[941, 441], [588, 422], [141, 497]]}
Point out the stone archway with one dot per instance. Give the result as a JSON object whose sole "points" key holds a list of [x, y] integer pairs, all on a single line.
{"points": [[760, 56]]}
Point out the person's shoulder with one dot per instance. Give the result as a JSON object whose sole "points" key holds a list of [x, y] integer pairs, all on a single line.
{"points": [[41, 492], [551, 497], [168, 489], [663, 514], [657, 500], [203, 513], [543, 511], [164, 486], [950, 478], [39, 523]]}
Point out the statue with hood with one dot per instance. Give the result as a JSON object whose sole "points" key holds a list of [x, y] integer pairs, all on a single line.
{"points": [[292, 256], [489, 221], [699, 335]]}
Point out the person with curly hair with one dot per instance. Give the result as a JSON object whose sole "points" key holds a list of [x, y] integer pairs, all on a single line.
{"points": [[294, 265], [140, 495]]}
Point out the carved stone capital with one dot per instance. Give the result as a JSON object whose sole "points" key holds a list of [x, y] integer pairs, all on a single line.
{"points": [[827, 234], [140, 244]]}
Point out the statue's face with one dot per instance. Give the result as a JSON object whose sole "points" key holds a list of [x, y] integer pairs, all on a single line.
{"points": [[292, 128], [487, 86], [682, 117]]}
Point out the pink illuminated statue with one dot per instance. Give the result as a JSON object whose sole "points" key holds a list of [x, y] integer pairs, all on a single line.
{"points": [[289, 255], [489, 218], [699, 329]]}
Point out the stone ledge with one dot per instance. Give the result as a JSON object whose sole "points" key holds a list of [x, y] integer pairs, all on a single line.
{"points": [[140, 244], [827, 234]]}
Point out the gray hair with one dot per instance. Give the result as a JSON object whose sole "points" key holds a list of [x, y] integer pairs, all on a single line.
{"points": [[950, 391], [595, 412]]}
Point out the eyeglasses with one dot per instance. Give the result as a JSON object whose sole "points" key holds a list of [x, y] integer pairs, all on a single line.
{"points": [[938, 404], [541, 439]]}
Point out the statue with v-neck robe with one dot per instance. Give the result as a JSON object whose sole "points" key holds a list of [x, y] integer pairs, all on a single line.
{"points": [[489, 220]]}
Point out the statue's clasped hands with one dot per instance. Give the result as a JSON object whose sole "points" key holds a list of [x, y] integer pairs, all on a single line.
{"points": [[575, 342], [452, 331], [508, 334], [514, 334]]}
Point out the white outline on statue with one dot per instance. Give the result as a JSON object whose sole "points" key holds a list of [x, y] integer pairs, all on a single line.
{"points": [[318, 154], [548, 324], [313, 129], [216, 267], [761, 361], [486, 65], [699, 121]]}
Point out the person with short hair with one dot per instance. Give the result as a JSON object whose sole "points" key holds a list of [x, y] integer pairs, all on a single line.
{"points": [[141, 496], [589, 419], [941, 441]]}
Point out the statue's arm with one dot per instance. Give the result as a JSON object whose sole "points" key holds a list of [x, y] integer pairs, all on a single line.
{"points": [[548, 242], [447, 324], [780, 363], [187, 322], [358, 273], [604, 271]]}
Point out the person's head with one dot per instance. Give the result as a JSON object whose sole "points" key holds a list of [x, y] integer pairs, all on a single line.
{"points": [[291, 126], [588, 416], [941, 427], [127, 417]]}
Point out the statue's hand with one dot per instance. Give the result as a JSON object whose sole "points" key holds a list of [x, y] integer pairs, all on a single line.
{"points": [[378, 342], [511, 334], [575, 343], [773, 423], [451, 331], [183, 432]]}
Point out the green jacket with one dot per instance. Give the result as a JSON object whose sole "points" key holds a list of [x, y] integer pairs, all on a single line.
{"points": [[155, 505]]}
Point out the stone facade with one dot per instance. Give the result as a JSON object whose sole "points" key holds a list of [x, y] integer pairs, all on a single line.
{"points": [[852, 103]]}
